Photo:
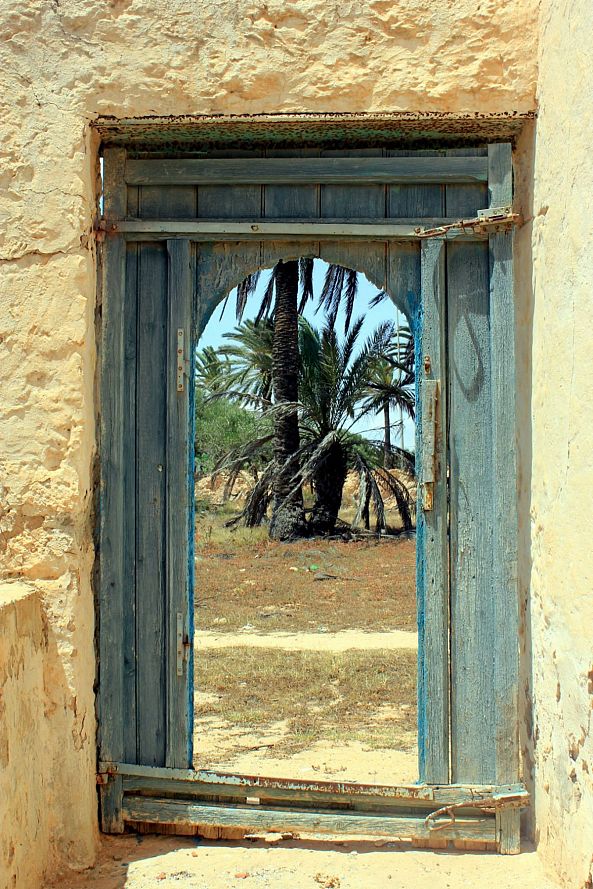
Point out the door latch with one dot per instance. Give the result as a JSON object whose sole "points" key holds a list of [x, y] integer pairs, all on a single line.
{"points": [[180, 647], [430, 397]]}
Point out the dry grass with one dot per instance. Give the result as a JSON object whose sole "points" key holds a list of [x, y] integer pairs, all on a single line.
{"points": [[354, 696], [244, 579]]}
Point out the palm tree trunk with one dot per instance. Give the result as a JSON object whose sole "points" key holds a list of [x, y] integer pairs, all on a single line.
{"points": [[329, 481], [387, 436], [288, 514]]}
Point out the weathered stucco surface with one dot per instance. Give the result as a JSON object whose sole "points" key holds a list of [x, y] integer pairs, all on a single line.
{"points": [[561, 481], [34, 727], [67, 61]]}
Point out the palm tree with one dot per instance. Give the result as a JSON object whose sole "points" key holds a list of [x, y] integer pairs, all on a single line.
{"points": [[391, 386], [288, 516], [333, 379]]}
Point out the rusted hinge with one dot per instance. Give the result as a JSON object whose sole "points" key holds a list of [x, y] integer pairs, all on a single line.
{"points": [[492, 219]]}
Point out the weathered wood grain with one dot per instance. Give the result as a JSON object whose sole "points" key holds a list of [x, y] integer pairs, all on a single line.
{"points": [[504, 467], [128, 371], [415, 198], [112, 519], [473, 632], [185, 812], [238, 202], [508, 831], [258, 229], [151, 612], [114, 188], [432, 530], [410, 794], [114, 566], [179, 512], [305, 170], [464, 200]]}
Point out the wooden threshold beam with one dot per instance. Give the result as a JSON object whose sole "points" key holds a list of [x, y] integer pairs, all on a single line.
{"points": [[254, 818], [307, 171]]}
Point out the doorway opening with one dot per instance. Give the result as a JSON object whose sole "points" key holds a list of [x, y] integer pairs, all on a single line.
{"points": [[305, 617]]}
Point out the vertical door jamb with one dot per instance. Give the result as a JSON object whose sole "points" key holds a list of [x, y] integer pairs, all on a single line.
{"points": [[433, 544], [112, 501], [179, 505], [504, 502]]}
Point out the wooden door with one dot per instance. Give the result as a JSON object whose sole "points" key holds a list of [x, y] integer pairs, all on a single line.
{"points": [[180, 233]]}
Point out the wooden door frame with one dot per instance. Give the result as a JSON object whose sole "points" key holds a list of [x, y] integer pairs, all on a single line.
{"points": [[408, 808]]}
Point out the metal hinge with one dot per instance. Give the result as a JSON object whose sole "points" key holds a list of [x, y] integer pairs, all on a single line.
{"points": [[183, 643], [491, 219], [180, 358]]}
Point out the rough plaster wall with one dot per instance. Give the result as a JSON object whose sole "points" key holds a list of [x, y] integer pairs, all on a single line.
{"points": [[562, 468], [63, 63], [27, 718]]}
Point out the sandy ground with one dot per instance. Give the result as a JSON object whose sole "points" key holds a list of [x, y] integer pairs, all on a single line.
{"points": [[149, 862], [344, 640], [325, 761]]}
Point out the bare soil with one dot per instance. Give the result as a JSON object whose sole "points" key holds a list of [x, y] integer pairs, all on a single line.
{"points": [[244, 580], [279, 703]]}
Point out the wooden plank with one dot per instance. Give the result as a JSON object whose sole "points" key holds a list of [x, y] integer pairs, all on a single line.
{"points": [[238, 202], [348, 202], [403, 279], [508, 831], [128, 371], [258, 230], [306, 170], [112, 506], [432, 530], [150, 498], [462, 201], [251, 818], [473, 720], [114, 190], [504, 469], [409, 793], [179, 504], [178, 202], [111, 797], [282, 201], [415, 198]]}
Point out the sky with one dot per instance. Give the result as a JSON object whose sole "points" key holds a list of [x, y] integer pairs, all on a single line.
{"points": [[370, 425]]}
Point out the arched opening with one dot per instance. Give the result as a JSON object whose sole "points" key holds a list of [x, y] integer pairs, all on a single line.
{"points": [[306, 642]]}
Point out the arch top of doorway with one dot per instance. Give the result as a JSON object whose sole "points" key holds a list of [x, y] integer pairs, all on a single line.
{"points": [[393, 268], [202, 132]]}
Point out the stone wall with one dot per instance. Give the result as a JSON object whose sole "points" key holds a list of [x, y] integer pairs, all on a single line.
{"points": [[66, 62]]}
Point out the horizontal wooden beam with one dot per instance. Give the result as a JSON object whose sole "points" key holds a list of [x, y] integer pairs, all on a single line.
{"points": [[307, 171], [150, 777], [258, 230], [252, 818]]}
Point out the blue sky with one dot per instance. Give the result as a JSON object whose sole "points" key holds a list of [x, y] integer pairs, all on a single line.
{"points": [[370, 425]]}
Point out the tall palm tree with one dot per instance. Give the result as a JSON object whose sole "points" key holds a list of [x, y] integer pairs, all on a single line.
{"points": [[391, 386], [333, 378], [281, 301], [288, 511]]}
